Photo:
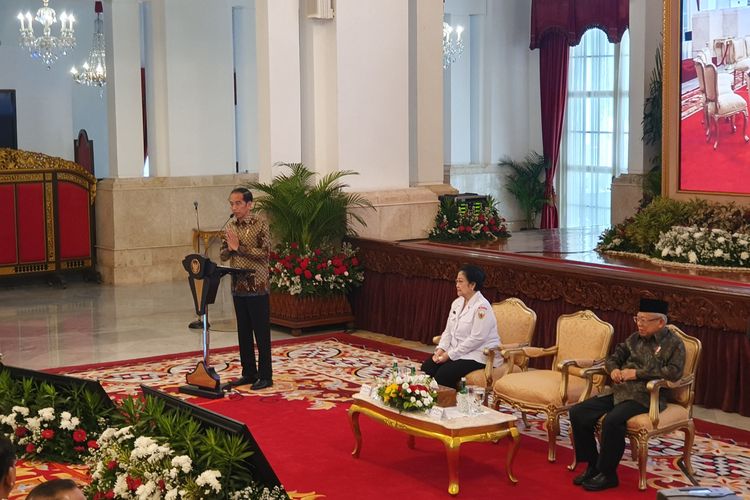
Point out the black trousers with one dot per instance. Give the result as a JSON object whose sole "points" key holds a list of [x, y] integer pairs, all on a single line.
{"points": [[583, 419], [253, 319], [450, 372]]}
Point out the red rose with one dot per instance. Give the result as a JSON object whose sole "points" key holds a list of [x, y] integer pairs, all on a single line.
{"points": [[133, 483], [297, 271], [162, 485], [79, 435], [304, 263], [317, 251], [109, 494], [308, 274], [48, 434], [30, 448], [355, 261], [79, 449], [21, 431], [336, 262], [93, 444], [294, 245], [112, 465]]}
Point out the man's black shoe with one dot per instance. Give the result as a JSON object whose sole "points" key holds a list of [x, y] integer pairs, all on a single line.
{"points": [[589, 473], [241, 381], [601, 482], [262, 383]]}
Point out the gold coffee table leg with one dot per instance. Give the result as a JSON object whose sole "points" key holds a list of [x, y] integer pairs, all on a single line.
{"points": [[354, 422], [516, 436], [451, 452]]}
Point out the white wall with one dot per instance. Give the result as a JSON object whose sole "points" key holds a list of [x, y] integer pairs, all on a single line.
{"points": [[51, 107]]}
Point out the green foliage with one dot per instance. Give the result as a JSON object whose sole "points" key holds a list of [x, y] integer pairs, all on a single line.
{"points": [[526, 182], [652, 125], [309, 213]]}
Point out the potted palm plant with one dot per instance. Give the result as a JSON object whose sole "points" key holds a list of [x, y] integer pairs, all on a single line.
{"points": [[526, 183], [312, 267]]}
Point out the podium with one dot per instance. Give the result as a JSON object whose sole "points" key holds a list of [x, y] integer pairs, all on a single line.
{"points": [[204, 277]]}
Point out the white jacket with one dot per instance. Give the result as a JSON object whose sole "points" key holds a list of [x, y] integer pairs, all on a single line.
{"points": [[469, 331]]}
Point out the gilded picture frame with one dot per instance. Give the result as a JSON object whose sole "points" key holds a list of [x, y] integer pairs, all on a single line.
{"points": [[671, 114]]}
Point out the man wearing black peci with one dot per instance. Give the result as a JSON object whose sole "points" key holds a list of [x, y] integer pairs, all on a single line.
{"points": [[247, 245], [7, 466], [652, 352]]}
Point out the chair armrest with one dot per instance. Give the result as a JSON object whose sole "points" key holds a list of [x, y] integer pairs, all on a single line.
{"points": [[654, 386], [584, 368], [531, 352], [436, 339]]}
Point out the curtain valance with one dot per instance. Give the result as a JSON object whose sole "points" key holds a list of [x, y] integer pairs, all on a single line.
{"points": [[571, 18]]}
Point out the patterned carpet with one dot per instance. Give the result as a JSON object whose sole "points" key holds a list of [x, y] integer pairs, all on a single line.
{"points": [[323, 371]]}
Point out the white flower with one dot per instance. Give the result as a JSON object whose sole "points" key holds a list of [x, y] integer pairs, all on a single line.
{"points": [[21, 410], [692, 257], [718, 252], [665, 252], [209, 478], [33, 423], [46, 413], [744, 255], [721, 239], [183, 462], [698, 235]]}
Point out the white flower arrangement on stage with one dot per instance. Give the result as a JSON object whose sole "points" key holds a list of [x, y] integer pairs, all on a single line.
{"points": [[703, 246], [415, 392]]}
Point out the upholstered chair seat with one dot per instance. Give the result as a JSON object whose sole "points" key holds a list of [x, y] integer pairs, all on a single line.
{"points": [[720, 105]]}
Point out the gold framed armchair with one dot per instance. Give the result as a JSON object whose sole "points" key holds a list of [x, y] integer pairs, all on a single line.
{"points": [[582, 340], [678, 415], [516, 323]]}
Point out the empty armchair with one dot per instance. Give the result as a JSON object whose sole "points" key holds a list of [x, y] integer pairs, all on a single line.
{"points": [[582, 340], [722, 105]]}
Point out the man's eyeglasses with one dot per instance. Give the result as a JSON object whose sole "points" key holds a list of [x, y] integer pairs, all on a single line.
{"points": [[637, 320]]}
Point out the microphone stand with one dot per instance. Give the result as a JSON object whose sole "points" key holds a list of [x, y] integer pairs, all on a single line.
{"points": [[198, 323]]}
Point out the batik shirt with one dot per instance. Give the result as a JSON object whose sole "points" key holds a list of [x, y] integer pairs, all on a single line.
{"points": [[252, 254], [661, 355]]}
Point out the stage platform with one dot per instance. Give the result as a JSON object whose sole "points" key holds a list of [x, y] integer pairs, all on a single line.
{"points": [[409, 286]]}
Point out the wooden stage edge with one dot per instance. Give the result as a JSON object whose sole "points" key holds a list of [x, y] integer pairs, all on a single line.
{"points": [[409, 286]]}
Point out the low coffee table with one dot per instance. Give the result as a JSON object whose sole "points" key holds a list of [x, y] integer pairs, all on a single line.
{"points": [[490, 425]]}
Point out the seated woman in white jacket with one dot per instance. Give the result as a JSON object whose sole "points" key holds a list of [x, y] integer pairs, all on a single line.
{"points": [[471, 328]]}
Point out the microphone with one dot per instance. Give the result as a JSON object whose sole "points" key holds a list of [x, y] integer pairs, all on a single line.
{"points": [[197, 219], [211, 240]]}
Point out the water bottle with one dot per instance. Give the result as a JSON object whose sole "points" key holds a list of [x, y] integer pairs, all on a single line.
{"points": [[394, 369], [462, 398]]}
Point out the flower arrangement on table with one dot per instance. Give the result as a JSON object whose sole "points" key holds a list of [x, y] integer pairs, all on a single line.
{"points": [[690, 233], [299, 270], [458, 222], [416, 392]]}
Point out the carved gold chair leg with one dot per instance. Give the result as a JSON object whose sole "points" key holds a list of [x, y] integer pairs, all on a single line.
{"points": [[553, 430], [574, 463], [688, 450], [642, 448]]}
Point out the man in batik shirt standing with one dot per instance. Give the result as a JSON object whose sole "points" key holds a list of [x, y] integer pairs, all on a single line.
{"points": [[246, 244]]}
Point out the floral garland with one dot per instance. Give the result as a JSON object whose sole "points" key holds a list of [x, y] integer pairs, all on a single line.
{"points": [[49, 435], [319, 271], [691, 246], [408, 392]]}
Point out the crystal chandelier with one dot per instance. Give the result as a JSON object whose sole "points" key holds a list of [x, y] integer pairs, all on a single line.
{"points": [[453, 46], [94, 71], [47, 47]]}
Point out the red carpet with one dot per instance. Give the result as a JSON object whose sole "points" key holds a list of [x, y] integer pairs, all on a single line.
{"points": [[722, 170], [302, 427]]}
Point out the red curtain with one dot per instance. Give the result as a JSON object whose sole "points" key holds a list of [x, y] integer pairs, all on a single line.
{"points": [[553, 71], [556, 25]]}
